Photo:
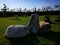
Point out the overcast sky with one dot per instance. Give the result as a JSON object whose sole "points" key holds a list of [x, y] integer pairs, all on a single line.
{"points": [[28, 3]]}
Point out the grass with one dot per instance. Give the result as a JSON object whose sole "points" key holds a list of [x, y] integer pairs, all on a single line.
{"points": [[5, 22]]}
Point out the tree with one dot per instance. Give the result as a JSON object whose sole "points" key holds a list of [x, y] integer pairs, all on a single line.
{"points": [[46, 8], [49, 8], [34, 9], [4, 9], [57, 7], [25, 10], [48, 14], [39, 10], [43, 9], [20, 9], [14, 10]]}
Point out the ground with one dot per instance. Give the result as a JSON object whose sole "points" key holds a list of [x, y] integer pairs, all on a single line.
{"points": [[5, 22]]}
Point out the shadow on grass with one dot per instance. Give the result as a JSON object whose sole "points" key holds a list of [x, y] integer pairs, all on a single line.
{"points": [[29, 40], [51, 35], [33, 40]]}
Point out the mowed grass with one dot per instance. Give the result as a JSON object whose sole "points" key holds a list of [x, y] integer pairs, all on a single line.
{"points": [[5, 22]]}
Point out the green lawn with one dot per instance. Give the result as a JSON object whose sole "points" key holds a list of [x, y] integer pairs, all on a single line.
{"points": [[5, 22]]}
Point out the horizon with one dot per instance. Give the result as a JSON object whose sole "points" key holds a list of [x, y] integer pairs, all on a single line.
{"points": [[29, 4]]}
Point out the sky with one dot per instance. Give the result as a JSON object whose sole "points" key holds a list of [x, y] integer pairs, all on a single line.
{"points": [[29, 4]]}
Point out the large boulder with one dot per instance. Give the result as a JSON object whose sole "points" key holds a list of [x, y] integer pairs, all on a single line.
{"points": [[33, 25], [16, 31]]}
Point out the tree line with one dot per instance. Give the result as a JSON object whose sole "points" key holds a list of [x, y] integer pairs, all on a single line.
{"points": [[5, 11]]}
